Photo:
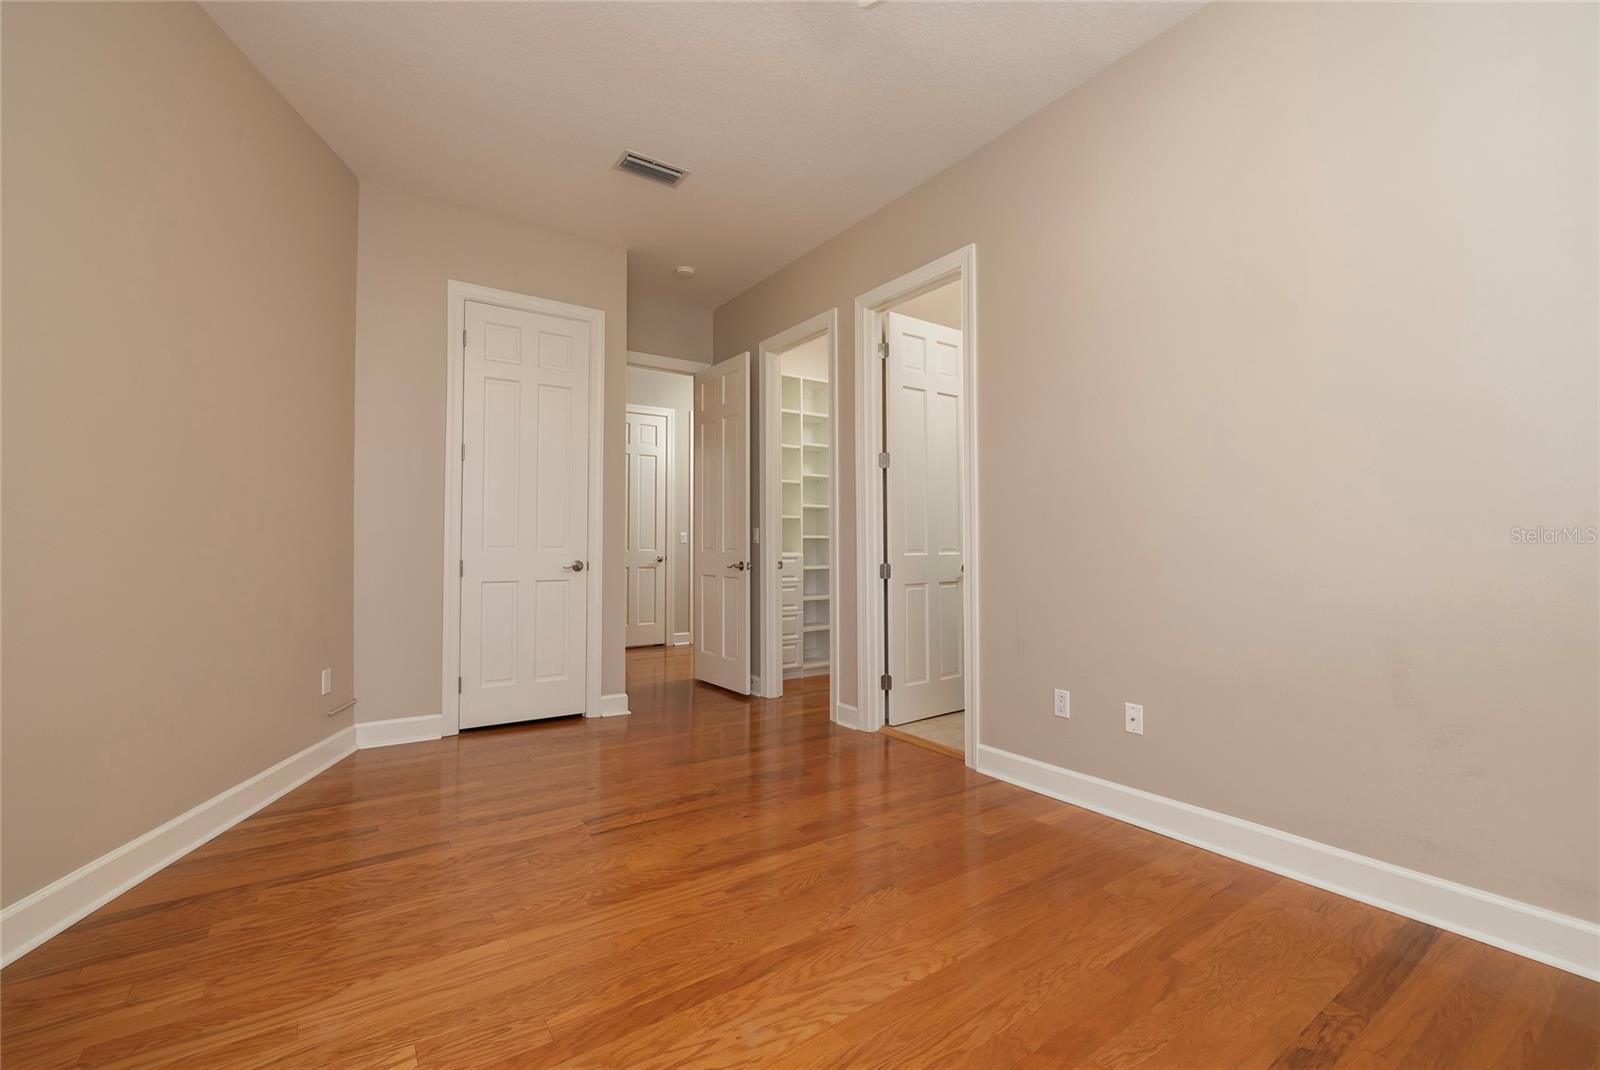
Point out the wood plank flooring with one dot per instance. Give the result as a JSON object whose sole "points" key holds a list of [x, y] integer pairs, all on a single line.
{"points": [[718, 882]]}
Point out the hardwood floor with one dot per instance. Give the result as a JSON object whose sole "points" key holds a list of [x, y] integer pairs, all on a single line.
{"points": [[717, 882]]}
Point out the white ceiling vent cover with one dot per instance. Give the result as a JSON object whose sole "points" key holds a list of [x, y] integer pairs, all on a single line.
{"points": [[654, 170]]}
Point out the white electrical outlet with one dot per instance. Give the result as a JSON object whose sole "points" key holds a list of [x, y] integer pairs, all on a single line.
{"points": [[327, 681], [1134, 719], [1063, 703]]}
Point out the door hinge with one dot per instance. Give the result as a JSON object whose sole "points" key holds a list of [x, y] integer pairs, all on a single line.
{"points": [[463, 451], [886, 682], [884, 570], [883, 350], [883, 460], [462, 569], [463, 338], [458, 685]]}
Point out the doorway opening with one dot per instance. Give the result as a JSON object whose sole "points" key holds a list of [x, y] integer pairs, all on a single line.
{"points": [[657, 430], [797, 611], [917, 510]]}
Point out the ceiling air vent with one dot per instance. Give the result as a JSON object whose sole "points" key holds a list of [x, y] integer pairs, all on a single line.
{"points": [[654, 170]]}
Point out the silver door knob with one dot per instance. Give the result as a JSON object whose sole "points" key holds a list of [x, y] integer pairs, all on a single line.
{"points": [[660, 558], [576, 566], [738, 565]]}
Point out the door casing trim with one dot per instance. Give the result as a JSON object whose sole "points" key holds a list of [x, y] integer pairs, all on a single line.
{"points": [[457, 294], [871, 309]]}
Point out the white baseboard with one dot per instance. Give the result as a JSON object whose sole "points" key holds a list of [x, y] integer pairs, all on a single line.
{"points": [[399, 730], [846, 716], [1559, 940], [803, 672], [682, 638], [613, 705], [29, 922]]}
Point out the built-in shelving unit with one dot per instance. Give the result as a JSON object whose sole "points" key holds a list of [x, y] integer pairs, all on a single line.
{"points": [[807, 555]]}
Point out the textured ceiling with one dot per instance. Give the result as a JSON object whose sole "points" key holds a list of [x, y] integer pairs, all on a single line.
{"points": [[794, 119]]}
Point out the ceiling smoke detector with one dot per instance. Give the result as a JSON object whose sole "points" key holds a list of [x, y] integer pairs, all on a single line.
{"points": [[654, 170]]}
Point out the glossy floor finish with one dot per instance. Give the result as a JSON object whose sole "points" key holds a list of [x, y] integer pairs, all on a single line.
{"points": [[716, 882]]}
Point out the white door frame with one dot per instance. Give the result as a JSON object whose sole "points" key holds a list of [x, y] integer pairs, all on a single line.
{"points": [[671, 417], [457, 295], [871, 308], [666, 364], [771, 661]]}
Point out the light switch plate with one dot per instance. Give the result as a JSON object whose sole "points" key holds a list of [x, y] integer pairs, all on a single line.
{"points": [[327, 681]]}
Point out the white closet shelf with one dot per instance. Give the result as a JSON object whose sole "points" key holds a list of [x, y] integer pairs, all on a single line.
{"points": [[804, 433]]}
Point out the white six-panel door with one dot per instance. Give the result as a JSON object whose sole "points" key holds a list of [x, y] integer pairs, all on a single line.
{"points": [[524, 516], [922, 514], [646, 554], [722, 524]]}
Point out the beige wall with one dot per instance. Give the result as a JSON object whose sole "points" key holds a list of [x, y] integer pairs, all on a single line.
{"points": [[409, 250], [179, 266], [668, 328], [809, 359], [941, 306], [670, 390], [1286, 321]]}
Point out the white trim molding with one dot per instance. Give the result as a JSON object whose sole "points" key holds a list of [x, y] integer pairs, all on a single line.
{"points": [[399, 730], [457, 294], [613, 705], [29, 922], [682, 638], [666, 364], [871, 309], [1558, 940], [846, 715]]}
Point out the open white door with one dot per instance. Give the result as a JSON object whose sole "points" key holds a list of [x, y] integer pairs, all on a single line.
{"points": [[722, 524], [645, 559], [524, 516], [922, 388]]}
